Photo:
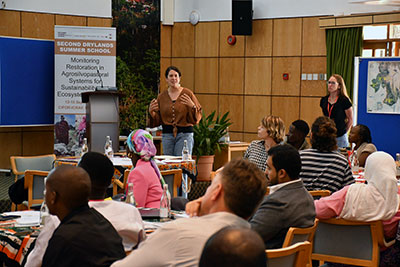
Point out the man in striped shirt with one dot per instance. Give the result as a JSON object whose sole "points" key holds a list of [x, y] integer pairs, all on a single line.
{"points": [[322, 167]]}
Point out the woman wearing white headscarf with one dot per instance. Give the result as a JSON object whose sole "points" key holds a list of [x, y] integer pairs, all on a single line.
{"points": [[377, 200]]}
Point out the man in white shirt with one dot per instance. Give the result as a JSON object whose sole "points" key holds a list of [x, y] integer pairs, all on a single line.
{"points": [[125, 218], [229, 201], [288, 203]]}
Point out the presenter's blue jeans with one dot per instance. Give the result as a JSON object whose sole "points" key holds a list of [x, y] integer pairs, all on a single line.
{"points": [[173, 145]]}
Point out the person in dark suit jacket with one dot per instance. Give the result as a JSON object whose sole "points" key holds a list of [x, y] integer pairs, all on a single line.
{"points": [[288, 203]]}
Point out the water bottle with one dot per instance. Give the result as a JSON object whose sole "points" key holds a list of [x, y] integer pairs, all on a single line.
{"points": [[130, 197], [165, 203], [44, 212], [227, 138], [398, 166], [108, 150], [85, 147], [355, 167], [185, 151]]}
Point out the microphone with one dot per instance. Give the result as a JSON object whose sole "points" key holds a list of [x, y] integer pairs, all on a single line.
{"points": [[101, 80], [102, 88]]}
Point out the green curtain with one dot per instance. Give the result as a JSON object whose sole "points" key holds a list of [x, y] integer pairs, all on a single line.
{"points": [[342, 45]]}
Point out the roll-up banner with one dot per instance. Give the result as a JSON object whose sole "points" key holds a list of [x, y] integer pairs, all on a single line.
{"points": [[84, 60]]}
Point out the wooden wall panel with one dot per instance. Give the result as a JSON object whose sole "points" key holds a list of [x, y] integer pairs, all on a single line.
{"points": [[314, 43], [233, 104], [287, 37], [231, 75], [183, 40], [165, 41], [206, 71], [10, 23], [70, 20], [209, 103], [10, 145], [313, 65], [255, 108], [206, 39], [258, 76], [225, 49], [235, 136], [38, 142], [290, 65], [287, 108], [260, 42], [99, 22], [37, 25], [309, 109], [249, 137], [164, 64], [186, 66]]}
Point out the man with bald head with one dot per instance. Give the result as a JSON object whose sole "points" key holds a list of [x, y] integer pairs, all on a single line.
{"points": [[84, 237], [233, 247]]}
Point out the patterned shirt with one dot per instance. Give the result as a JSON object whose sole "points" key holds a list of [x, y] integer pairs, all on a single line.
{"points": [[257, 154], [324, 170]]}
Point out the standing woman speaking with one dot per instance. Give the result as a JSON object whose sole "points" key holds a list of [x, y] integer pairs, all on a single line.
{"points": [[177, 110], [337, 106]]}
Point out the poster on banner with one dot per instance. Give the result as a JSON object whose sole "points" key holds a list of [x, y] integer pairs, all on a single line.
{"points": [[84, 60], [383, 95]]}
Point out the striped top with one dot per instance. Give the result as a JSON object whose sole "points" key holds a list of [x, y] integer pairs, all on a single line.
{"points": [[324, 170]]}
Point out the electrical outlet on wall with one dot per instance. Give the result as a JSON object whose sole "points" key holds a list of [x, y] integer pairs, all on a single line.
{"points": [[321, 76]]}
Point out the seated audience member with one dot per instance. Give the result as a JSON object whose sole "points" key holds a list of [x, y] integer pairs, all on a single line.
{"points": [[125, 218], [288, 203], [377, 200], [322, 166], [84, 237], [234, 247], [271, 132], [145, 176], [296, 137], [229, 201], [360, 135]]}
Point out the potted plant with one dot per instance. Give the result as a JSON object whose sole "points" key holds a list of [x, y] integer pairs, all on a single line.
{"points": [[206, 141]]}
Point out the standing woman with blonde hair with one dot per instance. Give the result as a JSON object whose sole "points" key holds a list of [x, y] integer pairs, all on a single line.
{"points": [[271, 132], [338, 107]]}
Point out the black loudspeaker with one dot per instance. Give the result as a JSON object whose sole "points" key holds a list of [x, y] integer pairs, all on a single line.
{"points": [[242, 17]]}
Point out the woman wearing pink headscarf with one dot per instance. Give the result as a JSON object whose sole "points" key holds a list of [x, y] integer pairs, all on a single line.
{"points": [[377, 200], [145, 176]]}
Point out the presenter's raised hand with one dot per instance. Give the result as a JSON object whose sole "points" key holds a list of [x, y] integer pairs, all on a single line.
{"points": [[186, 100], [153, 108]]}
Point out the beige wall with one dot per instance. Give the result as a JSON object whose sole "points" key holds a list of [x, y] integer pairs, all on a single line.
{"points": [[246, 78], [34, 140]]}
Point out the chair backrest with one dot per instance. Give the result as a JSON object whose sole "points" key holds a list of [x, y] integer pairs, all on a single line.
{"points": [[296, 235], [117, 184], [173, 178], [41, 163], [297, 255], [34, 183], [348, 242], [317, 194]]}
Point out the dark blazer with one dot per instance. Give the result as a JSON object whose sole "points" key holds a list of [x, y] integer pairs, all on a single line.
{"points": [[289, 206]]}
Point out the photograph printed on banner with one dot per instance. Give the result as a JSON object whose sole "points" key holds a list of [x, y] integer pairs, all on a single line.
{"points": [[69, 132]]}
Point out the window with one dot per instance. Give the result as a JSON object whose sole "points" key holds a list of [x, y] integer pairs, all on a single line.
{"points": [[381, 40]]}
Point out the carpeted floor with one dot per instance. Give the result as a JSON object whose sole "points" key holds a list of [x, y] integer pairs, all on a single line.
{"points": [[6, 180]]}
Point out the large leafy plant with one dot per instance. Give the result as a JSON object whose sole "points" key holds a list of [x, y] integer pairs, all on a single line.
{"points": [[208, 132]]}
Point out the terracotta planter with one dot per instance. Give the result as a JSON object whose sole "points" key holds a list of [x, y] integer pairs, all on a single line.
{"points": [[204, 167]]}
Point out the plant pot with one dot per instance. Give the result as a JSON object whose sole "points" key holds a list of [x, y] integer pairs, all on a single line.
{"points": [[204, 167]]}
